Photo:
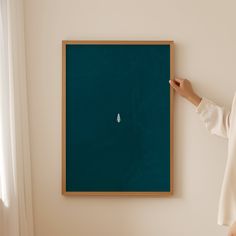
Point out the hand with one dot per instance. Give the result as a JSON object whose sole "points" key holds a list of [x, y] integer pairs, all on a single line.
{"points": [[184, 88], [232, 229]]}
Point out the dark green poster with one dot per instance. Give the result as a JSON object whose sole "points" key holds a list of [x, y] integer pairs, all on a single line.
{"points": [[117, 118]]}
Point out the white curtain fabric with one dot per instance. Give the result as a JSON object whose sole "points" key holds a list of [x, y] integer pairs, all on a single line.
{"points": [[16, 218]]}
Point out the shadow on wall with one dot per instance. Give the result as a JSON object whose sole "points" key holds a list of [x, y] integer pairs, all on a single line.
{"points": [[1, 216]]}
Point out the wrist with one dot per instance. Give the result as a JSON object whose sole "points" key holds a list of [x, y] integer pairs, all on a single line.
{"points": [[195, 99]]}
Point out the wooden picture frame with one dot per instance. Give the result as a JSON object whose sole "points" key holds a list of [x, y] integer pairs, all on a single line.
{"points": [[115, 193]]}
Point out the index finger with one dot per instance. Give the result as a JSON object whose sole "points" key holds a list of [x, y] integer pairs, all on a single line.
{"points": [[178, 79]]}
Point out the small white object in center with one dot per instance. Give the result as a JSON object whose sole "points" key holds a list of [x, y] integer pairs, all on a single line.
{"points": [[118, 118]]}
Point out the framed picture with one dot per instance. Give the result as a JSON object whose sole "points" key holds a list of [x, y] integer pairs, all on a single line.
{"points": [[117, 118]]}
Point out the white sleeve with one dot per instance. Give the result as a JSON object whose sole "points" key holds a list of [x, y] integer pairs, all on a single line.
{"points": [[216, 118]]}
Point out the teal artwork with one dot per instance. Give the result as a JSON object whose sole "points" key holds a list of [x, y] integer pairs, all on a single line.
{"points": [[117, 118]]}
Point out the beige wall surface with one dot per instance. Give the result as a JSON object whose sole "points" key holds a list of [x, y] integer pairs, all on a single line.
{"points": [[205, 34]]}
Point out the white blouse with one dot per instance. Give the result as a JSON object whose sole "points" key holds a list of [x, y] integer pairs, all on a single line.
{"points": [[222, 122]]}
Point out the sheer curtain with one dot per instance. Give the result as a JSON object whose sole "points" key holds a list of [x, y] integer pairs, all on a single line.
{"points": [[16, 218]]}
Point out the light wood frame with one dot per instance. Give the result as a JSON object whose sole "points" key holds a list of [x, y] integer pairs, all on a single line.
{"points": [[122, 42]]}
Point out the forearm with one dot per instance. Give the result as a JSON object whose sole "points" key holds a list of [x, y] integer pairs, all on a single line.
{"points": [[215, 117], [194, 99]]}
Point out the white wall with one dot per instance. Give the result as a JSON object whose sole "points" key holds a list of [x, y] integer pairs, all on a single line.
{"points": [[205, 36]]}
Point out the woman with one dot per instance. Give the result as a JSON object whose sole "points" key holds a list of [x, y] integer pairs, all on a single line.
{"points": [[222, 122]]}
